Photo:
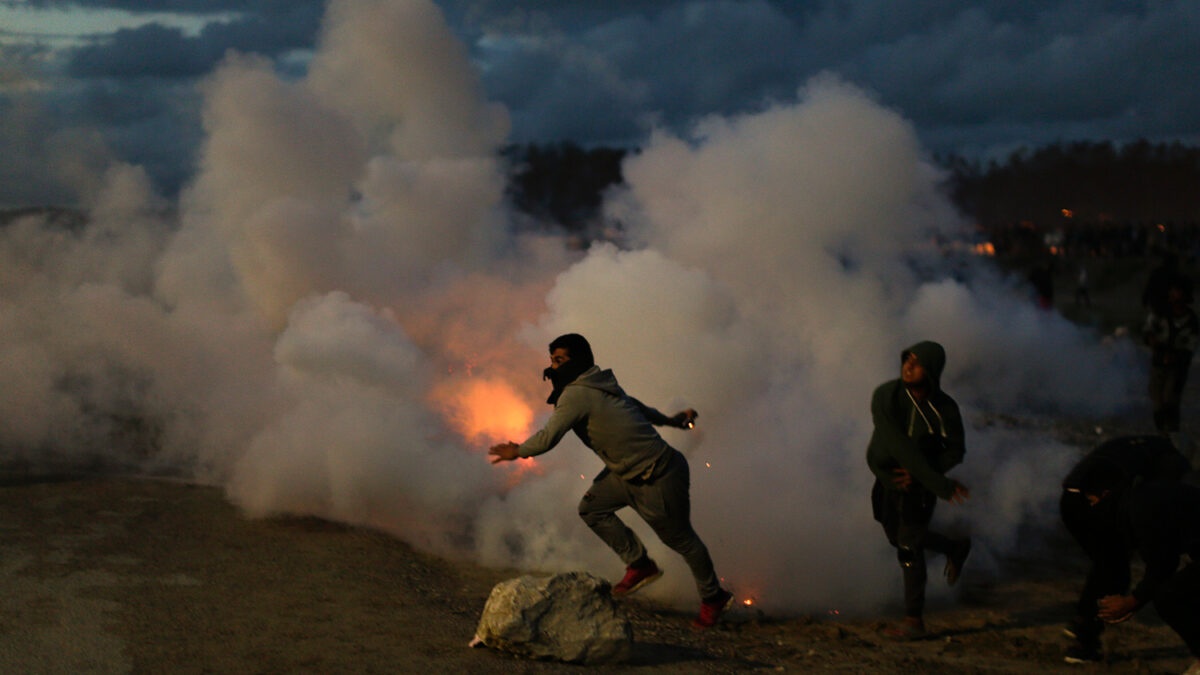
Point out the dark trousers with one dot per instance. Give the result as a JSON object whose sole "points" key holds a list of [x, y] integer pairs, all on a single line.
{"points": [[1178, 603], [664, 503], [905, 516], [1096, 529], [1166, 394]]}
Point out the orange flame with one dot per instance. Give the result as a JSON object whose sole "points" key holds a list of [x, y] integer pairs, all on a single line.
{"points": [[484, 411]]}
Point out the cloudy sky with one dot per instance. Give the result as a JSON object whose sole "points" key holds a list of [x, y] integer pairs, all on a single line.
{"points": [[84, 82]]}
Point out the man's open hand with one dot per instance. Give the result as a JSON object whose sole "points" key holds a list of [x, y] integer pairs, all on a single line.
{"points": [[902, 478], [961, 493], [1116, 608], [504, 452]]}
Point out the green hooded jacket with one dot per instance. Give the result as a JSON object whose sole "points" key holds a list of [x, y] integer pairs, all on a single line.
{"points": [[926, 440]]}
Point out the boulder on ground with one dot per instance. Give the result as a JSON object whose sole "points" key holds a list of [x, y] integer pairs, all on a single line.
{"points": [[568, 617]]}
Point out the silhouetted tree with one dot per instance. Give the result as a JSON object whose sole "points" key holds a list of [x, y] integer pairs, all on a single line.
{"points": [[562, 182]]}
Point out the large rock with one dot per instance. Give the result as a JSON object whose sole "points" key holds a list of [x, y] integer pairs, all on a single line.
{"points": [[569, 617]]}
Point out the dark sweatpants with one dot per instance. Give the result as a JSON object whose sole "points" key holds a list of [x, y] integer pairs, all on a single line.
{"points": [[905, 516], [1166, 394], [663, 502], [1178, 603], [1097, 531]]}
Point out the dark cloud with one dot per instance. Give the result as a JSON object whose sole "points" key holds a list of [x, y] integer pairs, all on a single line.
{"points": [[683, 61], [972, 77], [154, 50], [1065, 70], [258, 7]]}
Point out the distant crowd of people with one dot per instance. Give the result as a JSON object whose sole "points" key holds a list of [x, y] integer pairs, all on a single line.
{"points": [[1073, 239]]}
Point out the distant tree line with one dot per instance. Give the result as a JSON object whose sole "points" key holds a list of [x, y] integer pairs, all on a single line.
{"points": [[1084, 198], [1093, 182], [563, 183]]}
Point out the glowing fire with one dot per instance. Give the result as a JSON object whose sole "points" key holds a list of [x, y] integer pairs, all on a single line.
{"points": [[985, 248], [484, 411], [748, 602]]}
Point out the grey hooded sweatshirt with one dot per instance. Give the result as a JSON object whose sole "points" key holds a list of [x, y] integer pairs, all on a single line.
{"points": [[616, 426]]}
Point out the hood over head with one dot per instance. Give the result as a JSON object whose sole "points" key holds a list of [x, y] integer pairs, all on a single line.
{"points": [[932, 357], [604, 380], [581, 360]]}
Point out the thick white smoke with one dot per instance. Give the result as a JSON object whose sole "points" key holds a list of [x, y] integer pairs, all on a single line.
{"points": [[339, 321]]}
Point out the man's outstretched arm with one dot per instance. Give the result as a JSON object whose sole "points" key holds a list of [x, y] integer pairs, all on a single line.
{"points": [[684, 419], [564, 417]]}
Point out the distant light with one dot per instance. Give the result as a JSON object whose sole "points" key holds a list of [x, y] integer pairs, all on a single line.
{"points": [[1068, 213]]}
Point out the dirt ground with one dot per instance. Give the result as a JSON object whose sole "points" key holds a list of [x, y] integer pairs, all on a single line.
{"points": [[111, 575], [125, 575]]}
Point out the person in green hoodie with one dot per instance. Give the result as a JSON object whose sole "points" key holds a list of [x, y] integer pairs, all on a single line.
{"points": [[918, 437], [640, 470]]}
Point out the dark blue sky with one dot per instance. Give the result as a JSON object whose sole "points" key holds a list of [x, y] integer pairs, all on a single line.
{"points": [[82, 83]]}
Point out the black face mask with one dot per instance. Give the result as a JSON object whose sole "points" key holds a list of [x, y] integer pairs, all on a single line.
{"points": [[563, 375]]}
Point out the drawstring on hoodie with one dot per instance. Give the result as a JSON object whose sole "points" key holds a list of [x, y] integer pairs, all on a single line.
{"points": [[912, 419]]}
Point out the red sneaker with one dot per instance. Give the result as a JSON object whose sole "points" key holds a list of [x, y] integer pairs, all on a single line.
{"points": [[711, 610], [636, 577]]}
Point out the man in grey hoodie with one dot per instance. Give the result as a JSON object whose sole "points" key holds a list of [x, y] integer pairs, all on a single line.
{"points": [[918, 437], [640, 470]]}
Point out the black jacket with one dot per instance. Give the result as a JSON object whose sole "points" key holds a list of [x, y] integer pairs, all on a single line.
{"points": [[1118, 463], [927, 440], [1164, 522]]}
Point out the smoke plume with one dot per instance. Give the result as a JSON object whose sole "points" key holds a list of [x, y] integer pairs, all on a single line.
{"points": [[339, 317]]}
